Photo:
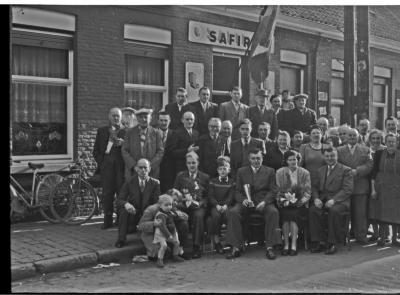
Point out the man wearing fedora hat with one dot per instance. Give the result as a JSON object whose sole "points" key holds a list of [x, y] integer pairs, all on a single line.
{"points": [[301, 117], [259, 113], [142, 141]]}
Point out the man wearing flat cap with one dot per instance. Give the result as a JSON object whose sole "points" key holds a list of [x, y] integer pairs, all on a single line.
{"points": [[142, 141], [259, 113], [301, 118]]}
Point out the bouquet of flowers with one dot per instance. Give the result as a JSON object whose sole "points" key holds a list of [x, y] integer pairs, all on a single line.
{"points": [[290, 198], [192, 194]]}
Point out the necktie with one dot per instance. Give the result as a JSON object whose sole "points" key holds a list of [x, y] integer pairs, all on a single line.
{"points": [[164, 136], [193, 176], [142, 185], [329, 170], [363, 138]]}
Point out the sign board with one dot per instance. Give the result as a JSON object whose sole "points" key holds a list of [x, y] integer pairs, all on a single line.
{"points": [[219, 35], [194, 79], [323, 102]]}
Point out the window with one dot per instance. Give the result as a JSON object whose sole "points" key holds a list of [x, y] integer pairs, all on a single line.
{"points": [[41, 95], [337, 90], [292, 71], [379, 101], [226, 74], [146, 82]]}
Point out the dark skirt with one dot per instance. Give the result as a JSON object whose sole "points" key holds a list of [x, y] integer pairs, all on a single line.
{"points": [[295, 214]]}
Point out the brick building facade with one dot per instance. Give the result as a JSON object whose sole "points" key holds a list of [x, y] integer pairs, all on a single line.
{"points": [[91, 58]]}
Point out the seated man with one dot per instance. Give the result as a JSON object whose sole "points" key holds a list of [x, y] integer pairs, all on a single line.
{"points": [[136, 195], [147, 225], [261, 180], [330, 193]]}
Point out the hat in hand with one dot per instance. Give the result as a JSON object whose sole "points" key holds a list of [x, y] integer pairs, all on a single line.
{"points": [[128, 109]]}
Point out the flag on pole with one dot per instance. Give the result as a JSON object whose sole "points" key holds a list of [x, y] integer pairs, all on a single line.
{"points": [[260, 46]]}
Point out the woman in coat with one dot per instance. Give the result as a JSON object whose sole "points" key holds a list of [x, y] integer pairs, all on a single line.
{"points": [[294, 192], [274, 156], [386, 186]]}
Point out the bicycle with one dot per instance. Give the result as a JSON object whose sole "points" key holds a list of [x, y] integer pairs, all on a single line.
{"points": [[73, 200], [39, 197]]}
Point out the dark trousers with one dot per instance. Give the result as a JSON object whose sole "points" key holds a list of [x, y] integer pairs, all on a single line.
{"points": [[359, 216], [327, 227], [214, 221], [196, 221], [127, 222], [112, 178], [182, 227], [237, 218]]}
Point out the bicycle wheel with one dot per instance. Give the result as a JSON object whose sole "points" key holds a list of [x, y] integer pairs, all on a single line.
{"points": [[44, 190], [81, 200], [61, 200]]}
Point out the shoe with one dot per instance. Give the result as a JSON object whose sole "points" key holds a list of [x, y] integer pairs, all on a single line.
{"points": [[373, 239], [176, 258], [160, 263], [317, 248], [219, 248], [362, 242], [270, 254], [106, 225], [395, 243], [152, 258], [331, 249], [292, 252], [233, 254], [278, 247], [381, 242], [186, 256], [285, 252], [196, 253], [120, 244]]}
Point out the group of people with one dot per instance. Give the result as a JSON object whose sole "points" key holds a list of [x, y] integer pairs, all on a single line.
{"points": [[206, 165]]}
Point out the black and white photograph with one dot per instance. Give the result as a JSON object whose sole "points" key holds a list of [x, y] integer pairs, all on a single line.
{"points": [[216, 147]]}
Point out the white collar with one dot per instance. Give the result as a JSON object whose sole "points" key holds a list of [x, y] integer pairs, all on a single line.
{"points": [[254, 169]]}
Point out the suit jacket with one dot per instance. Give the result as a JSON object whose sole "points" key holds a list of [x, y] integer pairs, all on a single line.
{"points": [[209, 151], [262, 184], [256, 117], [184, 181], [100, 146], [361, 160], [227, 111], [201, 118], [337, 186], [299, 121], [284, 184], [237, 159], [274, 158], [221, 193], [283, 120], [131, 150], [167, 167], [176, 115], [130, 192], [179, 145]]}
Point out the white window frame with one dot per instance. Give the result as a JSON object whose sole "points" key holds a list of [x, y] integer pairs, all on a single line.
{"points": [[152, 88], [383, 105], [68, 82], [229, 54], [297, 67]]}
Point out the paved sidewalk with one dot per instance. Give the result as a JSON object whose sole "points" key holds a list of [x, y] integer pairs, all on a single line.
{"points": [[42, 247]]}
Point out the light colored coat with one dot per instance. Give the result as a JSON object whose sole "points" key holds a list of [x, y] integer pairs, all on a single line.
{"points": [[361, 160], [227, 111], [303, 180], [131, 150]]}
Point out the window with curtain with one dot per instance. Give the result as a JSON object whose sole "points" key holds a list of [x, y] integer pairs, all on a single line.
{"points": [[39, 96], [145, 82], [380, 94]]}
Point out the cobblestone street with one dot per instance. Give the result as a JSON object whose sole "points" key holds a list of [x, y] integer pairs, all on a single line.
{"points": [[363, 269]]}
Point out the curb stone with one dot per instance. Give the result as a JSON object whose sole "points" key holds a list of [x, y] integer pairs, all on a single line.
{"points": [[116, 254], [65, 263], [22, 271]]}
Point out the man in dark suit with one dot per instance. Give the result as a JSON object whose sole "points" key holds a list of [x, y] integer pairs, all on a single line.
{"points": [[226, 138], [259, 113], [142, 141], [331, 193], [363, 129], [107, 153], [358, 158], [240, 148], [203, 110], [167, 171], [209, 147], [262, 186], [234, 111], [183, 142], [177, 108], [139, 192], [281, 114], [301, 118]]}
